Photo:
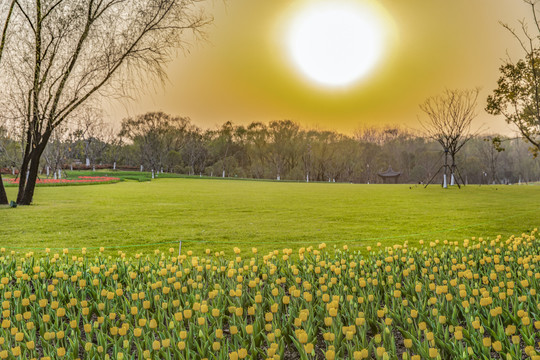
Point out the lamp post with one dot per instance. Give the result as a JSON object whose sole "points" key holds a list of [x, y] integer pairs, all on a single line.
{"points": [[368, 174]]}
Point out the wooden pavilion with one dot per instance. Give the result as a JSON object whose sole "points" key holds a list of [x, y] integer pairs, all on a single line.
{"points": [[389, 176]]}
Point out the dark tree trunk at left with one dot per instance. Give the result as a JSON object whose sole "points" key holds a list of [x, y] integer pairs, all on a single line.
{"points": [[28, 184], [3, 195], [22, 172]]}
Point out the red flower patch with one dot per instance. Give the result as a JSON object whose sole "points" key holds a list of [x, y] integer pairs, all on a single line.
{"points": [[79, 180]]}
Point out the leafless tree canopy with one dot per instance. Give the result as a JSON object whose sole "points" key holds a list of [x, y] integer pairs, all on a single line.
{"points": [[156, 134], [381, 135], [450, 117], [62, 53]]}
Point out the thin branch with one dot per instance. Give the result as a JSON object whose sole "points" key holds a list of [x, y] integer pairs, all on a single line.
{"points": [[4, 31]]}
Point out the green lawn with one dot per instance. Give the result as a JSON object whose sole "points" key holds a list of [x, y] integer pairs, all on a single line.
{"points": [[220, 214]]}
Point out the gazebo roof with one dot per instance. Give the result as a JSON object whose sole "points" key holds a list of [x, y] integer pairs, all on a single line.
{"points": [[389, 173]]}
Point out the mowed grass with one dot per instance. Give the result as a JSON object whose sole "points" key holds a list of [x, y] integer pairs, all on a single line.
{"points": [[221, 214]]}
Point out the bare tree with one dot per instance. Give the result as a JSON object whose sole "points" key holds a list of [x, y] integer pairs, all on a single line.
{"points": [[7, 9], [195, 153], [56, 152], [283, 147], [490, 148], [379, 135], [256, 148], [67, 52], [92, 134], [223, 141], [155, 135], [450, 117]]}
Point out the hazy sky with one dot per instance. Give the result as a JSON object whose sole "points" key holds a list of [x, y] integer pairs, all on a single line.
{"points": [[243, 73]]}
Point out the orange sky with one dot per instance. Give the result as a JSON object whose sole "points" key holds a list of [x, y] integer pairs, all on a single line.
{"points": [[243, 74]]}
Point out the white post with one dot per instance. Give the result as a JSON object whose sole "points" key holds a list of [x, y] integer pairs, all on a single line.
{"points": [[141, 168], [445, 183], [59, 174], [87, 162], [278, 178], [114, 166], [152, 173], [71, 167], [13, 171], [48, 169], [307, 177], [55, 175], [94, 168], [452, 180], [223, 173]]}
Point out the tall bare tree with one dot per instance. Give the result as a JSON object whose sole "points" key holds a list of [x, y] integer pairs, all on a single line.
{"points": [[68, 52], [450, 117], [6, 7]]}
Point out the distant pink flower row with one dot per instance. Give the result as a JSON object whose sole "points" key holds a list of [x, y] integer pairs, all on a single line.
{"points": [[81, 179]]}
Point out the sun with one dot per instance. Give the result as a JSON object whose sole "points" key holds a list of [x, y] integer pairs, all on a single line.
{"points": [[336, 42]]}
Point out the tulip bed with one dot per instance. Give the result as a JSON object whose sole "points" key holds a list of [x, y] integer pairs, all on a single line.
{"points": [[440, 301], [80, 180]]}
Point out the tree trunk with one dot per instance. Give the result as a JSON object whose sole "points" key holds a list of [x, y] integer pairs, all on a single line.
{"points": [[23, 170], [27, 184], [445, 181], [28, 193], [3, 195], [452, 171]]}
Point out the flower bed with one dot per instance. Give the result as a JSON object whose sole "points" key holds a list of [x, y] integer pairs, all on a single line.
{"points": [[79, 180], [475, 301]]}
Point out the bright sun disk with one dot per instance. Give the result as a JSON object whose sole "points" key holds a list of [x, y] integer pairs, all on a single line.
{"points": [[336, 42]]}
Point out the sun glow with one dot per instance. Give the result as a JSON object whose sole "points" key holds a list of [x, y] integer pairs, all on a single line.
{"points": [[336, 42]]}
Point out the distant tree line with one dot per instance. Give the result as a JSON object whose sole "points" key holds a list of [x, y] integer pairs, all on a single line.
{"points": [[281, 150]]}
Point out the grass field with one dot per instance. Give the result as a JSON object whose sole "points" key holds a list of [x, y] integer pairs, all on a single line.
{"points": [[220, 215]]}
